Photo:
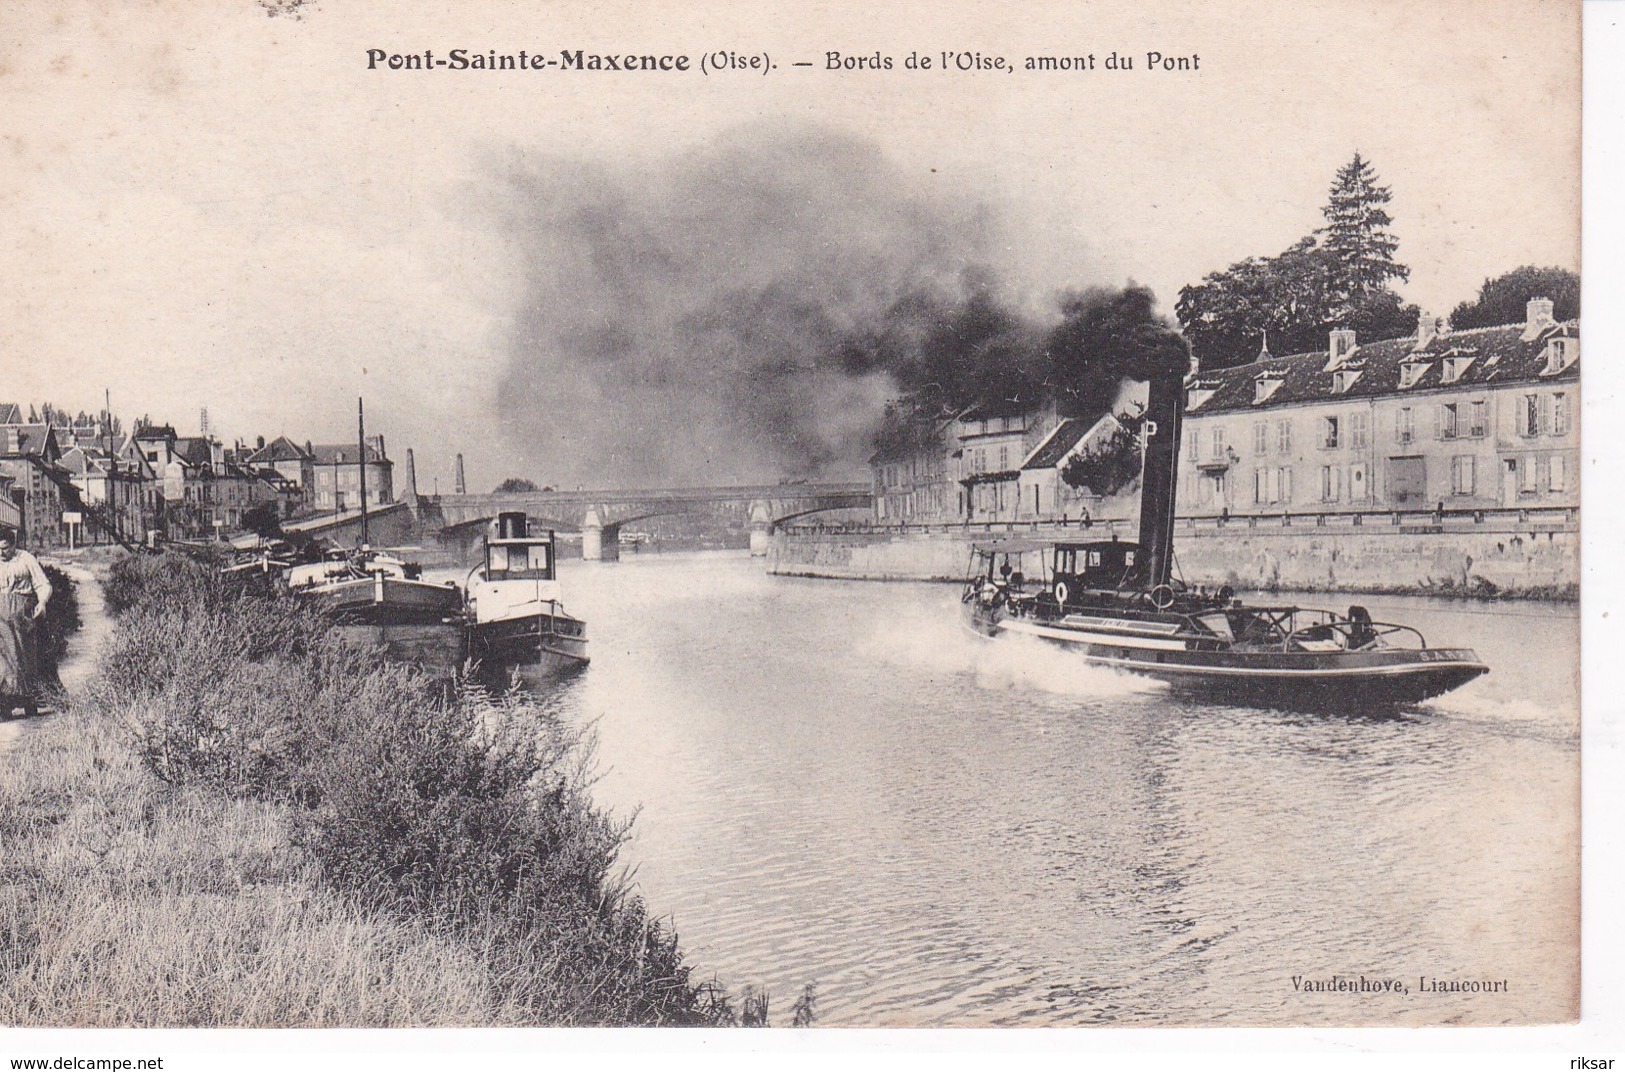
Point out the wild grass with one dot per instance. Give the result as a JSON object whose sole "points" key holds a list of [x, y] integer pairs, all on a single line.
{"points": [[245, 821]]}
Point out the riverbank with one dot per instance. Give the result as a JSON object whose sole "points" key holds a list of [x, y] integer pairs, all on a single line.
{"points": [[241, 821], [1495, 558]]}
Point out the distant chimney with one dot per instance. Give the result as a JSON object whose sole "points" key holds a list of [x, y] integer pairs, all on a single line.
{"points": [[376, 442], [259, 442], [461, 484], [1340, 346], [203, 422], [1537, 317], [411, 479], [1427, 329]]}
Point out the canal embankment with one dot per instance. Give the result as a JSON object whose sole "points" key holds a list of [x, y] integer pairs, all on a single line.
{"points": [[239, 820], [1489, 554]]}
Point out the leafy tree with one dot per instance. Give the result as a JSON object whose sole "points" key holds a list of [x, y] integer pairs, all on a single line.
{"points": [[261, 519], [1336, 277], [1504, 299], [1280, 302], [1356, 236], [1111, 466], [516, 483]]}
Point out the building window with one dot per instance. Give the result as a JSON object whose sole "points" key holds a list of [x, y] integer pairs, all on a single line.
{"points": [[1331, 483], [1218, 443], [1560, 414], [1357, 483], [1530, 480], [1557, 356], [1557, 473], [1261, 493], [1453, 368], [1449, 420], [1461, 474], [1480, 420], [1283, 436], [1261, 437], [1410, 372], [1194, 447], [1329, 432], [1529, 415], [1286, 485], [1405, 425], [1004, 459], [1358, 430]]}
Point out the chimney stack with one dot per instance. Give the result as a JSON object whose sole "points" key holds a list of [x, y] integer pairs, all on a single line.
{"points": [[462, 484], [259, 442], [1427, 329], [1341, 346], [411, 479], [1537, 317]]}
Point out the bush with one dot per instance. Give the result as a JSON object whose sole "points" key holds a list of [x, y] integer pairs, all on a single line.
{"points": [[60, 621], [412, 795]]}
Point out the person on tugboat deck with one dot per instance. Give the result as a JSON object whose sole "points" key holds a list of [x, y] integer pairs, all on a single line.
{"points": [[24, 592]]}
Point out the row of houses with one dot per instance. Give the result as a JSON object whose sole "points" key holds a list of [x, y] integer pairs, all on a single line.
{"points": [[1476, 419], [82, 482]]}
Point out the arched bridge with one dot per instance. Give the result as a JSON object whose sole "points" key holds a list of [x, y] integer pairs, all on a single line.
{"points": [[599, 515]]}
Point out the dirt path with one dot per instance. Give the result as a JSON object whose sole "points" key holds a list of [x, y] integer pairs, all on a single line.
{"points": [[83, 648]]}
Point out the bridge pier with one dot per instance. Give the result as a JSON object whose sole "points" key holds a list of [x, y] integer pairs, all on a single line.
{"points": [[599, 542], [761, 527]]}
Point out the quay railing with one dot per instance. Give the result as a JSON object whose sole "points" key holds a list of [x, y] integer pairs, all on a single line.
{"points": [[1410, 522]]}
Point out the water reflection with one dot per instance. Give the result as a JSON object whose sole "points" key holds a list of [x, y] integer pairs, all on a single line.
{"points": [[839, 784]]}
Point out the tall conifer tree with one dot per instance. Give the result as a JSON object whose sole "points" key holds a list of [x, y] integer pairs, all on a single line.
{"points": [[1356, 235]]}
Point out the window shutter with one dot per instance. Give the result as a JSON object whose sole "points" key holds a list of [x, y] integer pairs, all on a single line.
{"points": [[1438, 422], [1545, 414]]}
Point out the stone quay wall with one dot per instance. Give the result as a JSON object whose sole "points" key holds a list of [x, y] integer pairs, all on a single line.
{"points": [[1512, 552]]}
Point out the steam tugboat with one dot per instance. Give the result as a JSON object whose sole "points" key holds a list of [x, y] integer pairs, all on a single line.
{"points": [[517, 624], [1118, 604]]}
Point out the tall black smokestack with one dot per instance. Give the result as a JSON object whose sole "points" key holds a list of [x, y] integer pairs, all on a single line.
{"points": [[461, 484], [1164, 415]]}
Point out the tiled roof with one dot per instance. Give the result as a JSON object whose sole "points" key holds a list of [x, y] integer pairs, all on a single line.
{"points": [[1056, 445], [280, 449], [1492, 356], [328, 453], [195, 449], [1061, 442], [32, 439]]}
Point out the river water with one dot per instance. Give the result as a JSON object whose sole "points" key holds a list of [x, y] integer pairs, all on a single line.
{"points": [[835, 783]]}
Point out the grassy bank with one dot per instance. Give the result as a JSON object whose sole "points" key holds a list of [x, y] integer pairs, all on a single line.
{"points": [[246, 822]]}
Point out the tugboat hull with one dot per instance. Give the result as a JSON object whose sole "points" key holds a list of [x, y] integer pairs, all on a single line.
{"points": [[531, 647], [1382, 677]]}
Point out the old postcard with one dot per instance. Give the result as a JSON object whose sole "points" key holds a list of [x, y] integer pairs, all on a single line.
{"points": [[727, 514]]}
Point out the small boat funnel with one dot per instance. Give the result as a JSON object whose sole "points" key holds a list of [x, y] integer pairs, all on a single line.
{"points": [[511, 525]]}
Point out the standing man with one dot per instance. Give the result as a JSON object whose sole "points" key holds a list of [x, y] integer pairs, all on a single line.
{"points": [[24, 592]]}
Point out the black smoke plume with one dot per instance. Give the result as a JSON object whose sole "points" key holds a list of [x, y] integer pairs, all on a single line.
{"points": [[747, 311]]}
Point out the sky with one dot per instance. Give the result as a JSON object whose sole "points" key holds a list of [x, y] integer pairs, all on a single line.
{"points": [[212, 206]]}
